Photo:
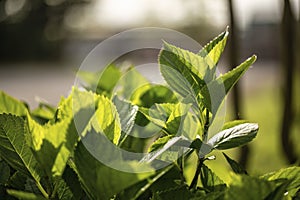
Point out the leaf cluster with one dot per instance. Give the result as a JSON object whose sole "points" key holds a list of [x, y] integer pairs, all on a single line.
{"points": [[46, 153]]}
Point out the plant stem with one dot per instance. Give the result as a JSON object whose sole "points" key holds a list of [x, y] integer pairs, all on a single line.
{"points": [[196, 176], [200, 160], [206, 126], [151, 181]]}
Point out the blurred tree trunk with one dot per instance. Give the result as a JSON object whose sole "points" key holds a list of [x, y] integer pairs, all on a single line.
{"points": [[288, 53], [236, 95]]}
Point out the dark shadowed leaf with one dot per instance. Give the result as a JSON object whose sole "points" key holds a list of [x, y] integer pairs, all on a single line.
{"points": [[25, 195], [291, 173], [248, 188], [235, 166], [101, 181], [210, 181], [14, 148], [5, 172]]}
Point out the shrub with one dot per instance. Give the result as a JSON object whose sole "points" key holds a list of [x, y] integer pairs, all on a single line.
{"points": [[73, 151]]}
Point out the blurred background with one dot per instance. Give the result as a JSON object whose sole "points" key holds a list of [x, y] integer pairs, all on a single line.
{"points": [[43, 42]]}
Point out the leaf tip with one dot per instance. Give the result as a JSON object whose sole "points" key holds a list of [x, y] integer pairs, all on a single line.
{"points": [[227, 30]]}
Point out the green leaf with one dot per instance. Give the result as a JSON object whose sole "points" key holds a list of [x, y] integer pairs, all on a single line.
{"points": [[109, 78], [235, 166], [213, 94], [234, 137], [168, 116], [159, 181], [105, 120], [179, 83], [102, 82], [71, 179], [100, 135], [52, 145], [160, 142], [11, 105], [248, 188], [158, 113], [14, 149], [213, 50], [169, 151], [129, 83], [63, 192], [43, 113], [101, 181], [176, 120], [54, 142], [210, 181], [25, 195], [279, 192], [127, 113], [18, 180], [179, 192], [290, 173], [231, 124], [230, 78], [5, 172], [147, 95], [218, 195], [196, 144], [191, 66], [172, 177], [90, 79], [30, 186]]}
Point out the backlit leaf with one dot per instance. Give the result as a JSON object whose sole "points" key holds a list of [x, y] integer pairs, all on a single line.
{"points": [[234, 137], [213, 50], [11, 105]]}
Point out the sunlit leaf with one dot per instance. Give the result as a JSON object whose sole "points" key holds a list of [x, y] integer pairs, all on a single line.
{"points": [[160, 142], [233, 123], [230, 78], [190, 65], [214, 49], [11, 105], [215, 91], [234, 137]]}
